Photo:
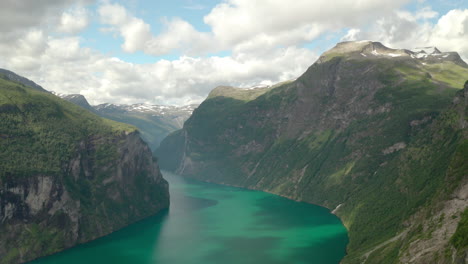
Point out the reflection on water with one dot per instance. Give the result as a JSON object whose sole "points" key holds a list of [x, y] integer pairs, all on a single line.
{"points": [[209, 223]]}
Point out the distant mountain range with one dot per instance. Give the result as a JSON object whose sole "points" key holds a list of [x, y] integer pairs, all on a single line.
{"points": [[155, 122]]}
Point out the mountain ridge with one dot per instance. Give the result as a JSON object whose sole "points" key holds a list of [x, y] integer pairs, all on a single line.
{"points": [[20, 79], [353, 134], [377, 49]]}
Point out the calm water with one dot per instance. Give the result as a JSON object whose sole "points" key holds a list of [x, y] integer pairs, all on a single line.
{"points": [[209, 223]]}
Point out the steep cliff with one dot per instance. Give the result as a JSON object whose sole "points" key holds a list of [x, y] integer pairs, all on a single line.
{"points": [[368, 131], [67, 176]]}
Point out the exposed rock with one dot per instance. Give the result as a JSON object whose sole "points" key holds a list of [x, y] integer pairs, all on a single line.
{"points": [[436, 230], [42, 205], [395, 147], [67, 176]]}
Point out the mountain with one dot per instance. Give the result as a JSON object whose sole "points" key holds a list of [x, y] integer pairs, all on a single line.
{"points": [[378, 135], [154, 122], [67, 176], [77, 99], [9, 75]]}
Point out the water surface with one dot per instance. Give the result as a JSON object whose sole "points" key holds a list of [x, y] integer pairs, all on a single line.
{"points": [[214, 224]]}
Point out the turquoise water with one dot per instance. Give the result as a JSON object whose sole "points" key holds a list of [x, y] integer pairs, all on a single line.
{"points": [[209, 223]]}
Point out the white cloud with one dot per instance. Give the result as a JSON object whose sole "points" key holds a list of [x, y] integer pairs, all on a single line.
{"points": [[178, 35], [181, 36], [25, 14], [134, 31], [73, 21], [235, 22], [409, 30], [63, 66], [25, 52], [113, 14], [451, 32], [241, 25], [264, 43]]}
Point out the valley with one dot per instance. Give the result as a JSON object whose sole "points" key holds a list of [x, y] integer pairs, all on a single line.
{"points": [[374, 135], [378, 135]]}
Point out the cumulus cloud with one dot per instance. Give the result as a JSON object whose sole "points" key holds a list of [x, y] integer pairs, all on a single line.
{"points": [[25, 52], [178, 35], [60, 64], [134, 31], [24, 29], [73, 21], [181, 36], [409, 30], [182, 81], [24, 14], [240, 25], [235, 21], [265, 45]]}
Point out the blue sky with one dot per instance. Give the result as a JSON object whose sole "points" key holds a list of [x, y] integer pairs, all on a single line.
{"points": [[175, 52], [153, 13], [193, 11]]}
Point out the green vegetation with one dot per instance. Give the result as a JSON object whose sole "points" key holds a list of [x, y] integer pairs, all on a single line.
{"points": [[460, 239], [97, 182], [152, 128], [379, 136], [39, 132], [238, 93], [449, 73]]}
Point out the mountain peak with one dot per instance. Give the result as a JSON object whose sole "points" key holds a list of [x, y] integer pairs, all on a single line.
{"points": [[363, 48], [9, 75], [77, 99], [366, 49], [427, 50]]}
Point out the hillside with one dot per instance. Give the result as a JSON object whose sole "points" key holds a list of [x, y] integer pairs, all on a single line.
{"points": [[154, 122], [378, 135], [67, 176], [77, 99]]}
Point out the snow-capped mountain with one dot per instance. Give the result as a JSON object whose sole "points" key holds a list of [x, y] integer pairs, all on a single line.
{"points": [[157, 110], [153, 121]]}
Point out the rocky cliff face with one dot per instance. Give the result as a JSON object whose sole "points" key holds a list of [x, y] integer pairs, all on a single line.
{"points": [[368, 131], [68, 176]]}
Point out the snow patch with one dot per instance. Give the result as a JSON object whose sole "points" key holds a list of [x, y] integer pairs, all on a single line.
{"points": [[394, 54], [427, 50]]}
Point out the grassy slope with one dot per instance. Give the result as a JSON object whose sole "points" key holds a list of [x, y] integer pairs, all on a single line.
{"points": [[340, 166], [152, 129], [39, 131]]}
